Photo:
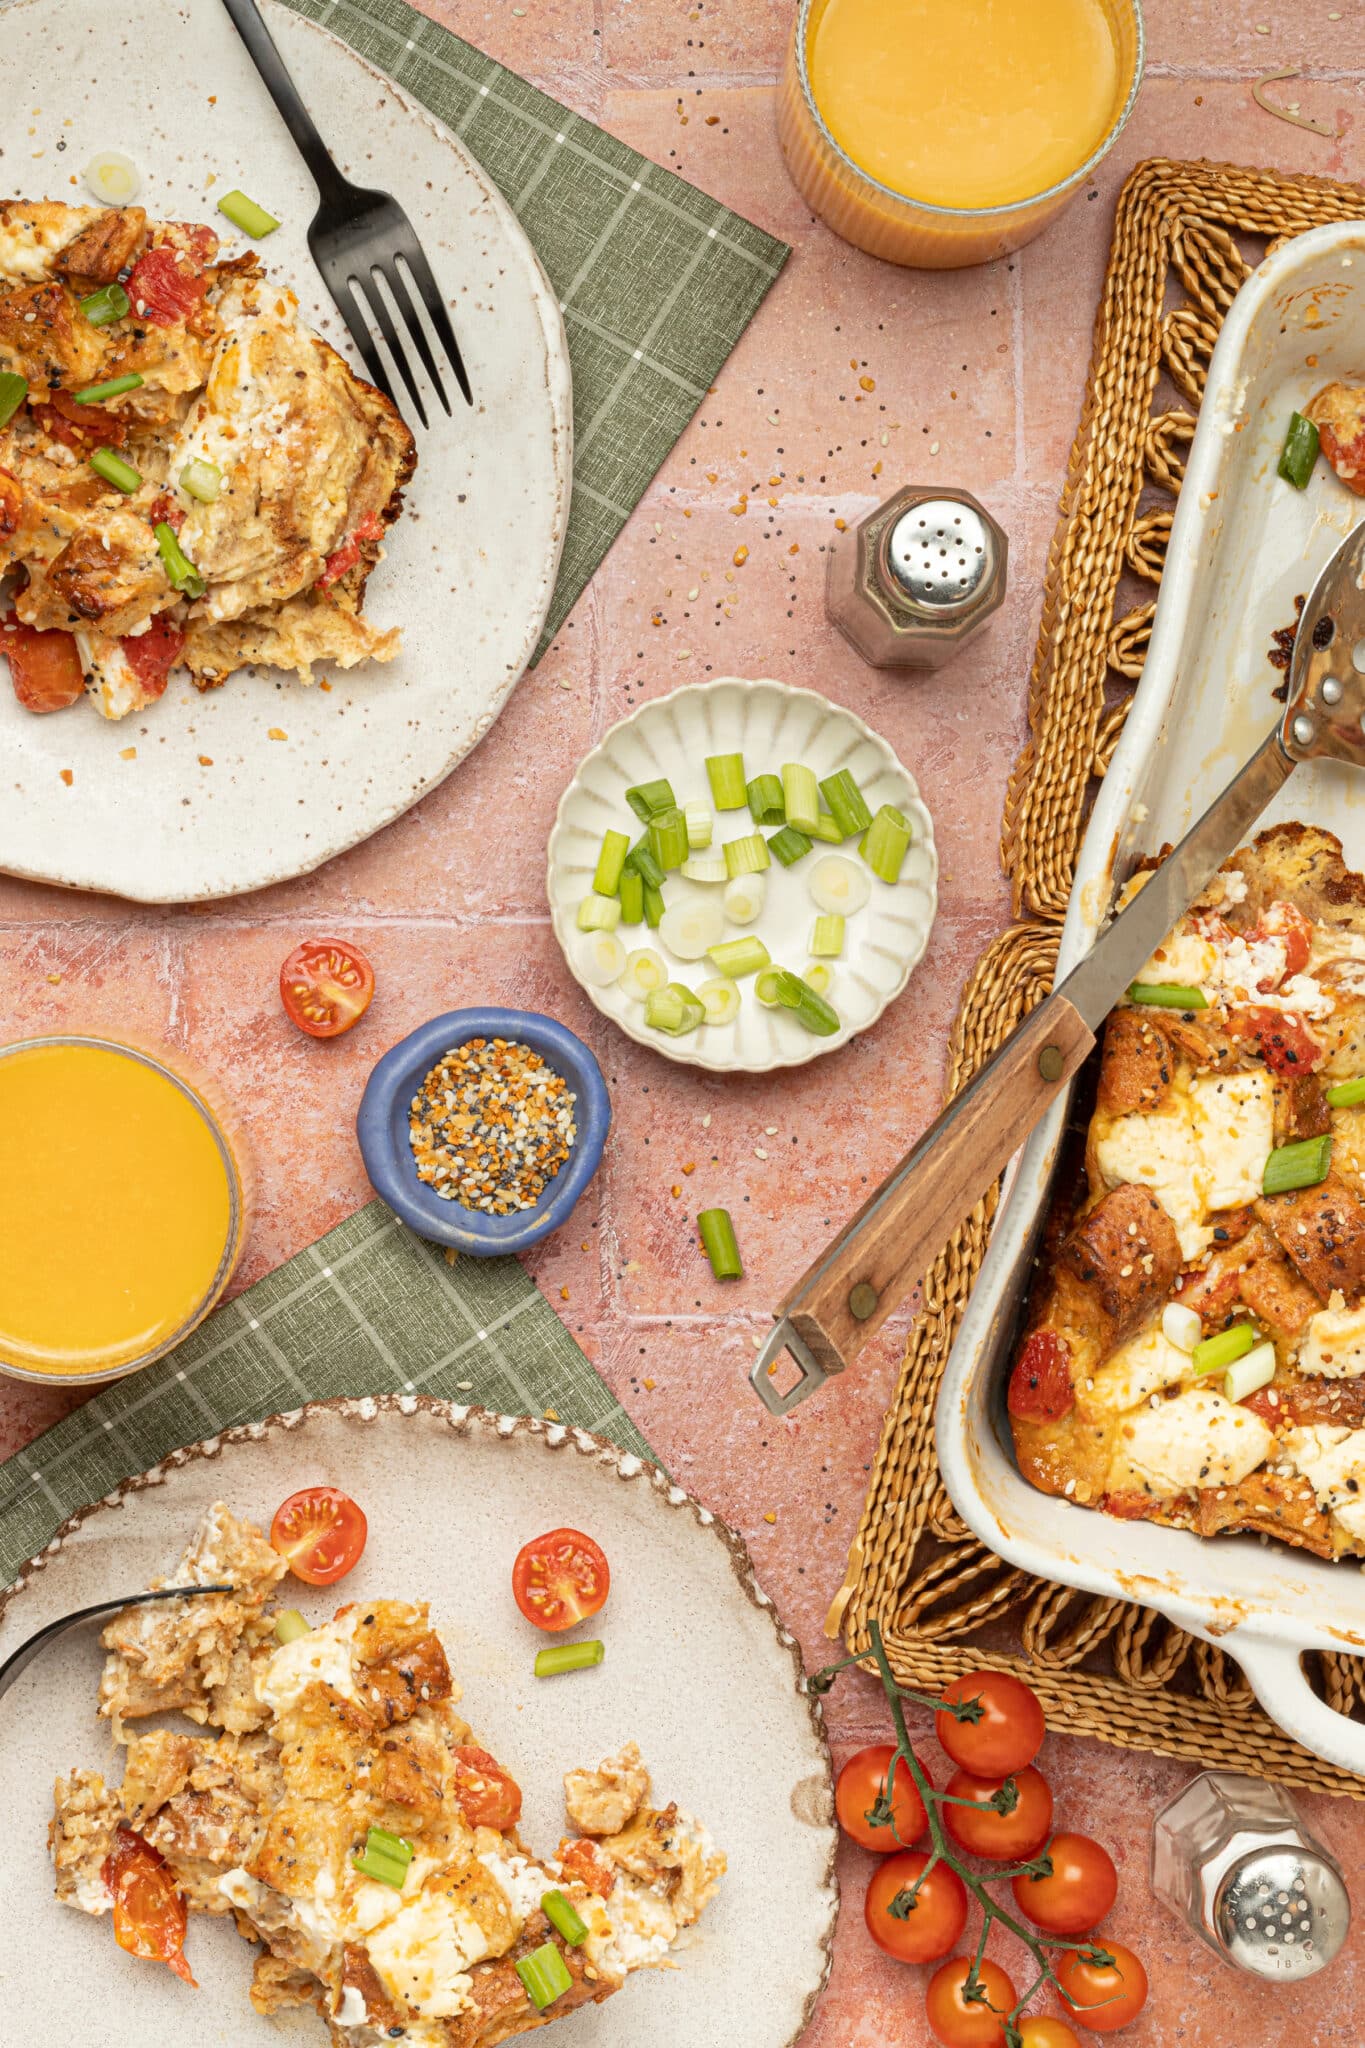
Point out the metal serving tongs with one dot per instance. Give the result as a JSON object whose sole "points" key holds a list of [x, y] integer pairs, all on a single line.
{"points": [[846, 1296]]}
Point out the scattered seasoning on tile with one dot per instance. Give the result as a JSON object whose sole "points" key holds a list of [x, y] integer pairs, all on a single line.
{"points": [[491, 1125], [552, 1415], [691, 1166], [67, 776], [649, 1386], [54, 979], [464, 1386], [206, 760], [770, 1516]]}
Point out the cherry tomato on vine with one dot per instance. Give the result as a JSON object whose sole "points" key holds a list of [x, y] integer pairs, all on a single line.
{"points": [[1080, 1891], [1102, 1997], [560, 1579], [932, 1925], [1039, 2030], [1009, 1733], [861, 1787], [959, 2022], [1010, 1837], [320, 1533]]}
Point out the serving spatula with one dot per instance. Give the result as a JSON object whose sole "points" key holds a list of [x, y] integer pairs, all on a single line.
{"points": [[846, 1296]]}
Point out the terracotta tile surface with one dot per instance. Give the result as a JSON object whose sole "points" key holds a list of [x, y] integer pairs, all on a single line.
{"points": [[977, 377]]}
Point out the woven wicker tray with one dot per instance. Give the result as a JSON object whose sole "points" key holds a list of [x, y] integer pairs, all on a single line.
{"points": [[1186, 235]]}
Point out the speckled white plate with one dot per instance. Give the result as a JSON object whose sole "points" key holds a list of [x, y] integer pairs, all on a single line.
{"points": [[697, 1670], [210, 805], [768, 723]]}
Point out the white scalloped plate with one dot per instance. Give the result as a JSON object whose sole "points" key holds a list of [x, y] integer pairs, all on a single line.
{"points": [[697, 1670], [769, 723]]}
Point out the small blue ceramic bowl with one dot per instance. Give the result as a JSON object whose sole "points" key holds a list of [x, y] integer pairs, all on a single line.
{"points": [[382, 1128]]}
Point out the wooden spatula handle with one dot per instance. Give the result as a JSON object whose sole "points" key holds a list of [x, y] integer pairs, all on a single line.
{"points": [[841, 1303]]}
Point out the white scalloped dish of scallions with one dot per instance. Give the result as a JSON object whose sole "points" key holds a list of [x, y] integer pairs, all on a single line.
{"points": [[742, 875]]}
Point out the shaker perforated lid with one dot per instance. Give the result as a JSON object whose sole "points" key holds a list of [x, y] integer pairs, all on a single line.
{"points": [[1281, 1911], [941, 551]]}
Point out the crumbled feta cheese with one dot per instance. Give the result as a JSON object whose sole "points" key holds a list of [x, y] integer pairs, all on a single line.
{"points": [[1139, 1369], [1333, 1344], [1197, 1439], [1333, 1463]]}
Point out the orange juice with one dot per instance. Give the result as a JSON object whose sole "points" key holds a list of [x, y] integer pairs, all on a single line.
{"points": [[119, 1208]]}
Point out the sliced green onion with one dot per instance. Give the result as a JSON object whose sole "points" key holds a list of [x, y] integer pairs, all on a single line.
{"points": [[385, 1858], [1303, 1164], [800, 795], [599, 958], [1347, 1093], [1251, 1373], [646, 867], [744, 898], [765, 801], [826, 828], [201, 480], [827, 939], [848, 805], [565, 1921], [181, 571], [765, 988], [611, 860], [789, 845], [645, 971], [838, 886], [1168, 995], [13, 392], [700, 825], [720, 1000], [886, 843], [816, 974], [290, 1625], [748, 856], [688, 929], [1300, 451], [599, 914], [673, 1009], [569, 1656], [667, 835], [654, 906], [111, 466], [704, 871], [811, 1010], [721, 1244], [725, 773], [1181, 1326], [245, 214], [95, 394], [544, 1973], [1211, 1354], [103, 307], [736, 957], [647, 799], [631, 894]]}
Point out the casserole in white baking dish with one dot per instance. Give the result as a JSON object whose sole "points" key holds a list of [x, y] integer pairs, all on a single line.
{"points": [[1243, 546]]}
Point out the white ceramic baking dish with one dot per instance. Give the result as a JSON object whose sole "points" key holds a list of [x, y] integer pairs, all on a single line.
{"points": [[1243, 545]]}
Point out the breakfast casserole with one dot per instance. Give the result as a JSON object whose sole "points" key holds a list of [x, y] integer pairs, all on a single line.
{"points": [[188, 476], [340, 1810], [1195, 1347]]}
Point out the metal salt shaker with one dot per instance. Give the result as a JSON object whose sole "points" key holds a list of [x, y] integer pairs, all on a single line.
{"points": [[918, 578], [1233, 1859]]}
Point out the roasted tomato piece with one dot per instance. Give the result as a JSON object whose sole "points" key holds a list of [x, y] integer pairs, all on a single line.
{"points": [[488, 1796], [1281, 1038], [166, 510], [153, 654], [165, 287], [344, 558], [325, 986], [149, 1913], [320, 1533], [1040, 1385], [44, 668], [1284, 921], [583, 1860], [560, 1579], [81, 427], [1338, 413]]}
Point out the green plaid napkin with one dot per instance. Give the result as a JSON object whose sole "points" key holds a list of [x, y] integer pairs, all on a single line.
{"points": [[657, 282], [368, 1309]]}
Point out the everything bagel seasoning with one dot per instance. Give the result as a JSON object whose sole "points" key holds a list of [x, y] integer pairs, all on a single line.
{"points": [[491, 1125]]}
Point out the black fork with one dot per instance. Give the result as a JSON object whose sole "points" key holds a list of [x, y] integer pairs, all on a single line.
{"points": [[358, 238]]}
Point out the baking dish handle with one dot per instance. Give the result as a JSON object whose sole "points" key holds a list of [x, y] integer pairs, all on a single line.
{"points": [[1276, 1676]]}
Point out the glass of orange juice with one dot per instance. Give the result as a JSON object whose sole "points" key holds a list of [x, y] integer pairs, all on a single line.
{"points": [[121, 1209], [938, 133]]}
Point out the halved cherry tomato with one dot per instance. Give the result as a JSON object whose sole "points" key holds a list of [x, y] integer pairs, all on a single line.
{"points": [[320, 1533], [1101, 1997], [1040, 1385], [1007, 1836], [1007, 1735], [960, 2022], [861, 1790], [1281, 1038], [344, 558], [149, 1913], [932, 1925], [488, 1796], [1078, 1894], [79, 426], [326, 986], [1284, 921], [560, 1579], [583, 1860], [44, 668], [1040, 2030], [164, 287], [153, 654]]}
